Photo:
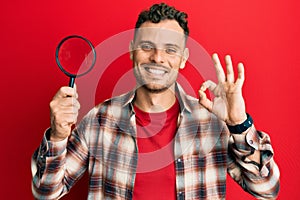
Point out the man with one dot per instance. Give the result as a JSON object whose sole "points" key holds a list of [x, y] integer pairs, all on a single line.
{"points": [[156, 142]]}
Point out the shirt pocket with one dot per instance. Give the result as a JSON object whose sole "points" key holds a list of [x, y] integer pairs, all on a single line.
{"points": [[205, 176]]}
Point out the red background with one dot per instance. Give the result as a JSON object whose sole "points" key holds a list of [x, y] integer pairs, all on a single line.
{"points": [[262, 34]]}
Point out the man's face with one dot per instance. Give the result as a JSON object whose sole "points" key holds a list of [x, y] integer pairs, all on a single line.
{"points": [[158, 52]]}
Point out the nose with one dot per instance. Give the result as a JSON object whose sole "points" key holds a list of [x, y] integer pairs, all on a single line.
{"points": [[157, 56]]}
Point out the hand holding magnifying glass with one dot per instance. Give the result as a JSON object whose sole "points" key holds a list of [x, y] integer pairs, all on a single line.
{"points": [[75, 56]]}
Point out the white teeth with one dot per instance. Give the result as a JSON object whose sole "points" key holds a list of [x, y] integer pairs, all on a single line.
{"points": [[156, 71]]}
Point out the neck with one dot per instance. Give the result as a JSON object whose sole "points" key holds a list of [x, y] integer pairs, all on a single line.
{"points": [[154, 102]]}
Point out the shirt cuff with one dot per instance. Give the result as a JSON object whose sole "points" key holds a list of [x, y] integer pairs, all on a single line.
{"points": [[260, 141], [246, 143], [50, 148]]}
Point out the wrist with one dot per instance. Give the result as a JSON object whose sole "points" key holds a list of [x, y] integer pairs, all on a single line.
{"points": [[241, 127], [53, 136], [237, 119]]}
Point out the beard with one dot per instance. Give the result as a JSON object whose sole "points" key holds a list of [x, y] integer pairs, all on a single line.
{"points": [[155, 90]]}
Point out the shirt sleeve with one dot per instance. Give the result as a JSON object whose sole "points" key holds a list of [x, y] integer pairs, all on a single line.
{"points": [[56, 165], [259, 179]]}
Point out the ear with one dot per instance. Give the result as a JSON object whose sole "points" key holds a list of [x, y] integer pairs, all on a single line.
{"points": [[185, 57], [131, 50]]}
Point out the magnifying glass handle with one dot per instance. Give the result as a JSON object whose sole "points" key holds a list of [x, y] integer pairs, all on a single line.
{"points": [[72, 81]]}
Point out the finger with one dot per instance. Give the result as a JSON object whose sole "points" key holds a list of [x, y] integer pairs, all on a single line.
{"points": [[210, 85], [66, 109], [62, 120], [67, 119], [218, 67], [66, 105], [71, 118], [63, 130], [229, 69], [204, 101], [75, 88], [241, 74], [71, 102], [63, 114], [66, 92]]}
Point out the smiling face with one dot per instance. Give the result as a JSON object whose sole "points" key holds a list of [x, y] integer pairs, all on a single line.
{"points": [[158, 52]]}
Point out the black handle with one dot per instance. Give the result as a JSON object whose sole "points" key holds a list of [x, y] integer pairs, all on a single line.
{"points": [[72, 81]]}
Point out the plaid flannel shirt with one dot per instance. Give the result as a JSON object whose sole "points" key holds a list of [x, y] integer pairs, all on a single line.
{"points": [[104, 143]]}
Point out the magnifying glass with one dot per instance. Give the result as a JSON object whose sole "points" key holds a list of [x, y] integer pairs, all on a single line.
{"points": [[75, 56]]}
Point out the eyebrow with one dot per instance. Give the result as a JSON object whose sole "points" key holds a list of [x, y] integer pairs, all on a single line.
{"points": [[152, 43], [173, 45], [145, 41]]}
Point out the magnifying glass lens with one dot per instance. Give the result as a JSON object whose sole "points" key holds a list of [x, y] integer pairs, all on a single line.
{"points": [[75, 56]]}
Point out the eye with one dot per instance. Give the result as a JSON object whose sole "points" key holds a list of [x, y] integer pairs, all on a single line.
{"points": [[146, 47], [171, 50]]}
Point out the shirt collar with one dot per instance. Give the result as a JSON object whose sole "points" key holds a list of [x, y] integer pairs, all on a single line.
{"points": [[183, 98]]}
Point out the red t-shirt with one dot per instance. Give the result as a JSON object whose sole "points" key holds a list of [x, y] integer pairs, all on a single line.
{"points": [[155, 177]]}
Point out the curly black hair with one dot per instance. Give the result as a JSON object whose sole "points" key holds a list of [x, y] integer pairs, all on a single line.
{"points": [[162, 11]]}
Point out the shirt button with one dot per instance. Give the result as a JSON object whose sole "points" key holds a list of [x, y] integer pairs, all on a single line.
{"points": [[180, 194], [251, 141]]}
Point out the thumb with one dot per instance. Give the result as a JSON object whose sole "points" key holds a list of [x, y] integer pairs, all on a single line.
{"points": [[75, 87], [75, 91]]}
